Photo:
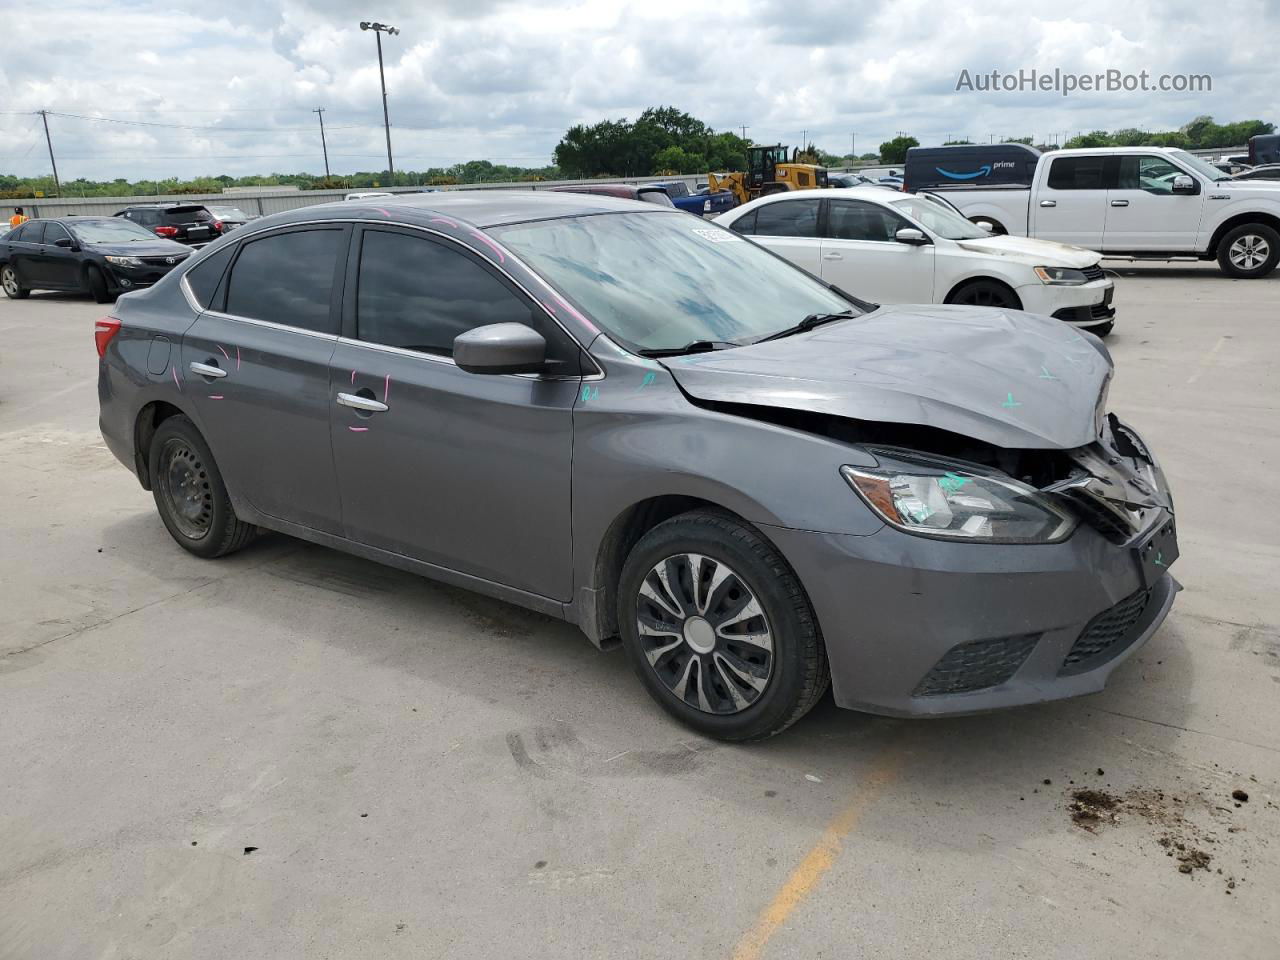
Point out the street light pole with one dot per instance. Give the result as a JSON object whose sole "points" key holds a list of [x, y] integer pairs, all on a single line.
{"points": [[378, 30]]}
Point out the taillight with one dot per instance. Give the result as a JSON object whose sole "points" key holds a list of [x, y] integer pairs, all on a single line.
{"points": [[166, 231], [217, 225], [103, 331]]}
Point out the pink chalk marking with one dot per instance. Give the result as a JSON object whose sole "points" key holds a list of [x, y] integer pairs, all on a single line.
{"points": [[237, 358], [353, 378], [224, 353], [383, 212], [358, 429], [215, 396], [568, 306], [444, 220], [492, 246], [550, 307], [386, 388], [176, 382]]}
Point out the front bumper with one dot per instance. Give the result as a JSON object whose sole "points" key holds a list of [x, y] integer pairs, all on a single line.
{"points": [[1089, 305], [903, 617], [134, 278]]}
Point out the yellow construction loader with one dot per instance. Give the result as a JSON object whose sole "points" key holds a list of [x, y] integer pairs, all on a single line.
{"points": [[768, 171]]}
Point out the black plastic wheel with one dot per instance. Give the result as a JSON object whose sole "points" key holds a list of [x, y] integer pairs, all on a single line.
{"points": [[719, 629], [97, 283], [189, 492], [1249, 251], [13, 288], [986, 293]]}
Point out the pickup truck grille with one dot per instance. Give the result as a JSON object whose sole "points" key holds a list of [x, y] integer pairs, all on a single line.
{"points": [[1094, 273]]}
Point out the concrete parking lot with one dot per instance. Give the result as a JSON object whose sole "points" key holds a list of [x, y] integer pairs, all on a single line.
{"points": [[292, 753]]}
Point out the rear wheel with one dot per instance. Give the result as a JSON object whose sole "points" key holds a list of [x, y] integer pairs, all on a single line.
{"points": [[719, 628], [189, 492], [12, 288], [985, 293], [1249, 251], [97, 283]]}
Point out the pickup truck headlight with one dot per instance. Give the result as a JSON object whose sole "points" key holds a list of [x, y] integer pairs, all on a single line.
{"points": [[1061, 276], [937, 498], [124, 261]]}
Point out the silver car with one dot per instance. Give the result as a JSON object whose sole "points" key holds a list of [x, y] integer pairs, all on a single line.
{"points": [[601, 410]]}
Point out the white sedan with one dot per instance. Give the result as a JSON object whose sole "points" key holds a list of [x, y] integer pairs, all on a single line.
{"points": [[906, 248]]}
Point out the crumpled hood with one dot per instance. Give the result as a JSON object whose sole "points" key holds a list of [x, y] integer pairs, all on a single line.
{"points": [[1012, 379], [1045, 253]]}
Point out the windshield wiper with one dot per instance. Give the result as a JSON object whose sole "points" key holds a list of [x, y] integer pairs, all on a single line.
{"points": [[693, 346], [808, 323]]}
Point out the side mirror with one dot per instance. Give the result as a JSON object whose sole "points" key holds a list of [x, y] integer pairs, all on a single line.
{"points": [[500, 348], [1185, 184], [912, 236], [986, 225], [65, 242]]}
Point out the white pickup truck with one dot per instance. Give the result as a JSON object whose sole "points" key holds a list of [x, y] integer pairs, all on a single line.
{"points": [[1152, 203]]}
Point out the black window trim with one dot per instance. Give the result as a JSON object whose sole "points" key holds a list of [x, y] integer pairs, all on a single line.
{"points": [[61, 226], [887, 208], [348, 333], [819, 222], [219, 298], [1110, 171], [335, 295]]}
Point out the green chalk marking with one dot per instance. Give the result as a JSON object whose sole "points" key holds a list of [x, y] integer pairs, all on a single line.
{"points": [[1046, 375], [951, 482], [1010, 403]]}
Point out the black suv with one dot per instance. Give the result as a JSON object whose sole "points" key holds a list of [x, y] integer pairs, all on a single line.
{"points": [[189, 223]]}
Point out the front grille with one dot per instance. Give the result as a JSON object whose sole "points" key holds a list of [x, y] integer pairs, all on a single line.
{"points": [[1094, 273], [976, 665], [1104, 632], [177, 258], [1101, 311], [1093, 314]]}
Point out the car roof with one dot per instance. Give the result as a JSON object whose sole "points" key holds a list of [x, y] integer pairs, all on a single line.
{"points": [[863, 191], [478, 208]]}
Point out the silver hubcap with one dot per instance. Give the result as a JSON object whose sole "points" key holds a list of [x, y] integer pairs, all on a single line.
{"points": [[1250, 251], [10, 281], [704, 633]]}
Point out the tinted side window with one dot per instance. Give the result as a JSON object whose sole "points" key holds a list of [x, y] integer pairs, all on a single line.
{"points": [[418, 294], [54, 232], [18, 235], [856, 220], [1078, 173], [287, 278], [745, 224], [33, 232], [204, 277], [789, 218]]}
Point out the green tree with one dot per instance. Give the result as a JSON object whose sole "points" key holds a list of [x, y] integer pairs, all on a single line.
{"points": [[895, 150], [1098, 138]]}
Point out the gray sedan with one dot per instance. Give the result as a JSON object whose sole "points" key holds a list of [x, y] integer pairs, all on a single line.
{"points": [[598, 409]]}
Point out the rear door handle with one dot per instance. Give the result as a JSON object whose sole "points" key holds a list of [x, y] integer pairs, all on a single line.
{"points": [[1119, 203], [1048, 203], [206, 370], [832, 256], [361, 403]]}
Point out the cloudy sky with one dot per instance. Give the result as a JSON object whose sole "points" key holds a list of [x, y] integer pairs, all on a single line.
{"points": [[228, 87]]}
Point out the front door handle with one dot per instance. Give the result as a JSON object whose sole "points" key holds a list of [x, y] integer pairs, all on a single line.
{"points": [[832, 256], [1048, 203], [207, 370], [361, 403], [1119, 203]]}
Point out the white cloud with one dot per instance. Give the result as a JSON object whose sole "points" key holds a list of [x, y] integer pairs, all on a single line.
{"points": [[502, 80]]}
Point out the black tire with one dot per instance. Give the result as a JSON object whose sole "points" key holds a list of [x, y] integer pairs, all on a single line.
{"points": [[1249, 251], [13, 289], [1102, 329], [189, 493], [796, 673], [985, 293], [96, 281]]}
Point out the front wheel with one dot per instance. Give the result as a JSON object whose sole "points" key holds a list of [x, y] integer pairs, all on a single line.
{"points": [[719, 629], [189, 492], [986, 293], [13, 289], [97, 284], [1249, 251]]}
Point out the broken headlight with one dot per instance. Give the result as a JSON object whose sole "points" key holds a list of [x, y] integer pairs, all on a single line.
{"points": [[938, 498]]}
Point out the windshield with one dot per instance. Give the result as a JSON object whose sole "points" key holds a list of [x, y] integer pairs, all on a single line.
{"points": [[659, 281], [115, 230], [939, 220], [1202, 167], [228, 213]]}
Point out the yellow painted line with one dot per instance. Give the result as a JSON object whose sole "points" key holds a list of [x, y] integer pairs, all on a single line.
{"points": [[1207, 360], [805, 877]]}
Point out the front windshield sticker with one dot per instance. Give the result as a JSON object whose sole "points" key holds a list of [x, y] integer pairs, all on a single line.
{"points": [[717, 236]]}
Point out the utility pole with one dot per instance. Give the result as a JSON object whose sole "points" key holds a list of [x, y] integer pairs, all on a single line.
{"points": [[319, 111], [378, 30], [744, 133], [853, 146], [44, 115]]}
